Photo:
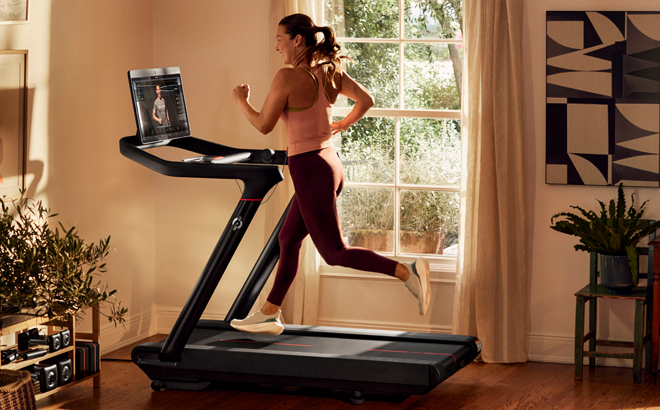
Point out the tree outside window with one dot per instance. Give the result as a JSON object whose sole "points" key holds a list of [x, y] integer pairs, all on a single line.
{"points": [[402, 161]]}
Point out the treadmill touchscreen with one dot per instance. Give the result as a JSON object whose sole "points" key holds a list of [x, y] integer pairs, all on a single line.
{"points": [[159, 104]]}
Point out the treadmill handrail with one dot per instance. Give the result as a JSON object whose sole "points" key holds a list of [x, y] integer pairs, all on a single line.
{"points": [[258, 179]]}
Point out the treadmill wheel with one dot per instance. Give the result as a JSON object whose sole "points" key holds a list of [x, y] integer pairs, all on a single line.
{"points": [[357, 398], [157, 385]]}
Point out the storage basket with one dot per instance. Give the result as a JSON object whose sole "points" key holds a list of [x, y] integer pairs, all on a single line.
{"points": [[16, 390]]}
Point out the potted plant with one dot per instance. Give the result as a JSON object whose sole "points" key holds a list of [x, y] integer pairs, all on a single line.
{"points": [[45, 271], [613, 234]]}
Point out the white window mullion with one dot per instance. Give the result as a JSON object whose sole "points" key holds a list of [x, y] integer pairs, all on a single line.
{"points": [[397, 196], [398, 114], [397, 135]]}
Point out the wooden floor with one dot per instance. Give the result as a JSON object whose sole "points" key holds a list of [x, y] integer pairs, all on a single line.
{"points": [[477, 386]]}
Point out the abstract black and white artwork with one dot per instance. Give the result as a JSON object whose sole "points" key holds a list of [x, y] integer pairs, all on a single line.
{"points": [[603, 98]]}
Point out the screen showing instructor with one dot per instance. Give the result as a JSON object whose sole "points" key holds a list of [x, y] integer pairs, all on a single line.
{"points": [[159, 112]]}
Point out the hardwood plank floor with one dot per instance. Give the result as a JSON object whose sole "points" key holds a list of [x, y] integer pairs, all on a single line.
{"points": [[477, 386]]}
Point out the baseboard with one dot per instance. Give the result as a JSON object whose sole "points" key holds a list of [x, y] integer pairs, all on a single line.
{"points": [[132, 331], [385, 326], [548, 348], [167, 318]]}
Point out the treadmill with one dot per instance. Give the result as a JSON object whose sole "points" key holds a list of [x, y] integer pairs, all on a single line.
{"points": [[199, 352]]}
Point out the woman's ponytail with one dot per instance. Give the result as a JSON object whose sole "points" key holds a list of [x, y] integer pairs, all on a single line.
{"points": [[324, 53], [328, 53]]}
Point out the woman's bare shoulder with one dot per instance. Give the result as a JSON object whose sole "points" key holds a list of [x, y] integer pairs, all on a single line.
{"points": [[288, 73]]}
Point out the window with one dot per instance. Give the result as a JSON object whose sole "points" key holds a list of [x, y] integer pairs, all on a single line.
{"points": [[402, 161]]}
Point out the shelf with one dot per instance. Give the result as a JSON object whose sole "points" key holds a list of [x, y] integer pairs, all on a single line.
{"points": [[38, 395], [17, 323], [20, 363]]}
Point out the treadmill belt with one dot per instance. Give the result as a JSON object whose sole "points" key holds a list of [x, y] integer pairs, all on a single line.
{"points": [[446, 354]]}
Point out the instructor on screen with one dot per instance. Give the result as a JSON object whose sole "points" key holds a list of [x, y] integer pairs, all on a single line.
{"points": [[159, 112]]}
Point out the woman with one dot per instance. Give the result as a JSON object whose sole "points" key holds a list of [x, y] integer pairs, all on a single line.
{"points": [[302, 96]]}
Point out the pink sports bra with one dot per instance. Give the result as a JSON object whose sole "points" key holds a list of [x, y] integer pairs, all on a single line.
{"points": [[308, 129]]}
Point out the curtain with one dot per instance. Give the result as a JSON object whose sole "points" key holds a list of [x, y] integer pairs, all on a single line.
{"points": [[491, 299], [301, 303]]}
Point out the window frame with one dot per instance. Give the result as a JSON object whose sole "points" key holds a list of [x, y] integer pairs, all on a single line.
{"points": [[441, 262]]}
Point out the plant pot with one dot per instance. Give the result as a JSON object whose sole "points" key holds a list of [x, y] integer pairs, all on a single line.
{"points": [[411, 242], [615, 273]]}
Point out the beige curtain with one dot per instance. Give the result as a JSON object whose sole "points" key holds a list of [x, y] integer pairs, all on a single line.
{"points": [[491, 289], [301, 303]]}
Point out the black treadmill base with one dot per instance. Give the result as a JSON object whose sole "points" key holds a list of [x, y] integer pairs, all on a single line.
{"points": [[310, 357], [344, 395], [218, 380]]}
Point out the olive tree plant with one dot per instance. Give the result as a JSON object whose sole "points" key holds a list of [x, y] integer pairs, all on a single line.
{"points": [[50, 271]]}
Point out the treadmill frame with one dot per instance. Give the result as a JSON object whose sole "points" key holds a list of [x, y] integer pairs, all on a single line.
{"points": [[165, 362]]}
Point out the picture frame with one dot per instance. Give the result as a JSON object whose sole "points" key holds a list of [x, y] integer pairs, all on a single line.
{"points": [[603, 98], [14, 12], [13, 121]]}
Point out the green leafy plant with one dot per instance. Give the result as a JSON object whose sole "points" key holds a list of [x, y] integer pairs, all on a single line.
{"points": [[45, 271], [615, 231]]}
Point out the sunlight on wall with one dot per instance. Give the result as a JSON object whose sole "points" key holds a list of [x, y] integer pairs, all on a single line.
{"points": [[34, 37]]}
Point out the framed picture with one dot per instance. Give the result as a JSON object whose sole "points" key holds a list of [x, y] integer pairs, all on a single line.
{"points": [[13, 121], [14, 11], [603, 98]]}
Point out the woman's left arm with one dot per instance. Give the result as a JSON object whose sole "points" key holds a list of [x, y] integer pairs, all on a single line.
{"points": [[264, 120]]}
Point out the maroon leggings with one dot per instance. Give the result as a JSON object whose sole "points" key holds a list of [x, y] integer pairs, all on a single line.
{"points": [[318, 178]]}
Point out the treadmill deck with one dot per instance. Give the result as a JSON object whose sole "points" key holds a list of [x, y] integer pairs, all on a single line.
{"points": [[385, 361]]}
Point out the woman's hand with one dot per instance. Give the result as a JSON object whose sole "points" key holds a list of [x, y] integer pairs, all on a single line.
{"points": [[337, 126], [241, 93]]}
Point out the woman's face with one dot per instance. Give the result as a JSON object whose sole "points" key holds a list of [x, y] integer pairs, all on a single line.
{"points": [[286, 46]]}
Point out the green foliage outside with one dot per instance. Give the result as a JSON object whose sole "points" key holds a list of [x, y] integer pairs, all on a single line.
{"points": [[46, 271], [429, 149]]}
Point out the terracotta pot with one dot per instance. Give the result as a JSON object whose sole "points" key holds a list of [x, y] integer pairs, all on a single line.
{"points": [[411, 242]]}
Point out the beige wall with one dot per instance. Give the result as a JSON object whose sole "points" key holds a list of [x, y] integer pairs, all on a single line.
{"points": [[557, 270], [79, 53], [217, 45]]}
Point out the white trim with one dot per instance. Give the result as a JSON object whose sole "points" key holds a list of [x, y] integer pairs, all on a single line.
{"points": [[108, 331], [557, 348], [399, 40], [376, 277], [372, 324], [167, 317], [403, 112], [445, 188]]}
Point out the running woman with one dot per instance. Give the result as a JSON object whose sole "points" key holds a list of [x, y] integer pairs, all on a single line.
{"points": [[302, 96]]}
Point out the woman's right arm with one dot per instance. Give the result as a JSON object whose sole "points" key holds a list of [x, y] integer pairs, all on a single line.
{"points": [[363, 102], [265, 120]]}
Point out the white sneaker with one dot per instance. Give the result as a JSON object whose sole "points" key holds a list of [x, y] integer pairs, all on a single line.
{"points": [[260, 323], [419, 283]]}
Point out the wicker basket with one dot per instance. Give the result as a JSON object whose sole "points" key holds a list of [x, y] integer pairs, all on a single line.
{"points": [[16, 391]]}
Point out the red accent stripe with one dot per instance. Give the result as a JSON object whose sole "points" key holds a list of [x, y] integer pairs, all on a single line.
{"points": [[390, 351], [252, 200], [443, 354], [290, 344], [218, 157]]}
